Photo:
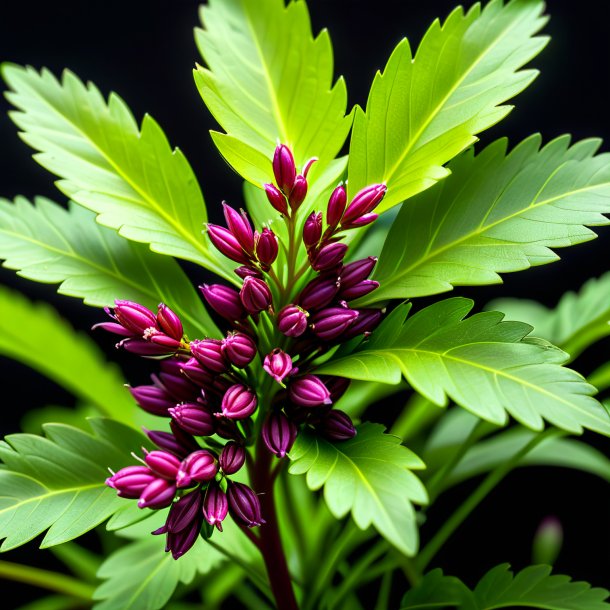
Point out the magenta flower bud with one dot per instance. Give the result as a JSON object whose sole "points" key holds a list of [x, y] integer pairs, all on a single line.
{"points": [[198, 466], [240, 227], [244, 505], [279, 434], [196, 373], [179, 387], [194, 419], [164, 340], [361, 221], [178, 543], [179, 442], [239, 348], [238, 402], [367, 322], [336, 426], [358, 290], [312, 230], [113, 327], [266, 247], [284, 168], [163, 464], [244, 271], [308, 165], [309, 391], [319, 292], [278, 364], [134, 317], [298, 193], [157, 494], [255, 295], [232, 457], [364, 202], [224, 301], [215, 505], [330, 256], [183, 512], [292, 320], [276, 198], [169, 322], [336, 206], [144, 348], [329, 323], [209, 354], [226, 243], [356, 272], [131, 481], [153, 399], [337, 386]]}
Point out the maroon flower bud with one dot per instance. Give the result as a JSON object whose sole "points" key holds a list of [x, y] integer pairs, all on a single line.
{"points": [[337, 386], [153, 399], [284, 168], [337, 426], [144, 348], [178, 543], [309, 391], [329, 323], [276, 198], [157, 494], [244, 271], [244, 505], [367, 322], [312, 230], [163, 464], [330, 256], [131, 481], [336, 206], [224, 301], [113, 327], [238, 402], [215, 505], [239, 348], [266, 247], [361, 221], [179, 443], [198, 466], [255, 295], [179, 386], [319, 292], [194, 419], [169, 322], [278, 433], [364, 202], [196, 373], [228, 429], [292, 320], [278, 364], [183, 512], [232, 457], [134, 317], [355, 272], [298, 193], [358, 290], [209, 354], [227, 243], [240, 227]]}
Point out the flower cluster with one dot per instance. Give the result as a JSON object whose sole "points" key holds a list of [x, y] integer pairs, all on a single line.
{"points": [[211, 389]]}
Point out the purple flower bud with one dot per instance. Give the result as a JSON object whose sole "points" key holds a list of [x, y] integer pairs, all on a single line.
{"points": [[179, 543], [131, 481], [239, 348], [198, 466], [163, 464], [279, 434], [134, 317], [278, 364], [337, 386], [164, 340], [227, 243], [312, 230], [292, 320], [144, 348], [298, 193], [336, 206], [330, 256], [215, 505], [194, 419], [209, 354], [228, 429], [309, 391], [367, 322], [276, 198], [355, 272], [255, 295], [284, 168], [183, 512], [329, 323], [361, 221], [232, 457], [244, 271], [157, 494], [153, 399], [240, 227], [179, 442], [224, 301], [113, 327], [319, 292], [266, 247], [169, 322], [244, 505], [238, 402], [196, 373], [364, 202], [179, 386], [337, 426], [358, 290]]}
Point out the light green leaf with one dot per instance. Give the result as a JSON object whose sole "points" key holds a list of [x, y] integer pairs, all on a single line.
{"points": [[47, 243], [495, 214], [35, 335], [369, 475], [484, 364], [423, 111], [435, 590], [57, 482], [129, 176], [269, 79]]}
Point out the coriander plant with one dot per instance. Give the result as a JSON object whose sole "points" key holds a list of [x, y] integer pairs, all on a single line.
{"points": [[251, 470]]}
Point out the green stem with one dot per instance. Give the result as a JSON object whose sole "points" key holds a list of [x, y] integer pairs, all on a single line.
{"points": [[417, 414]]}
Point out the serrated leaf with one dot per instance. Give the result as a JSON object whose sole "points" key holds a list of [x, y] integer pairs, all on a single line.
{"points": [[423, 111], [56, 482], [47, 243], [485, 365], [128, 175], [435, 590], [495, 214], [35, 335], [269, 79], [369, 476]]}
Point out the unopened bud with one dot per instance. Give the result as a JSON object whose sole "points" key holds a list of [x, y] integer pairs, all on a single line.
{"points": [[209, 354], [292, 320], [284, 168], [240, 228], [184, 512], [319, 292], [337, 426], [239, 348], [255, 295], [364, 202], [244, 505], [194, 419], [312, 230], [215, 505], [232, 457], [309, 391], [224, 301], [157, 494], [298, 193], [358, 290], [366, 322], [153, 399], [178, 543], [361, 221], [278, 364], [266, 247], [169, 322], [336, 206], [238, 402], [330, 256], [226, 243], [278, 433], [198, 466], [355, 272], [131, 481], [331, 322], [276, 198], [134, 317], [163, 464]]}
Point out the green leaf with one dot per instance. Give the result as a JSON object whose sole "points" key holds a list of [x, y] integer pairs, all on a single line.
{"points": [[436, 590], [57, 482], [47, 243], [269, 79], [484, 364], [423, 111], [496, 213], [129, 176], [369, 475], [35, 335]]}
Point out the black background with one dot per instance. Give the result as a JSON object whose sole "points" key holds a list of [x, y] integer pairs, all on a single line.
{"points": [[145, 52]]}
